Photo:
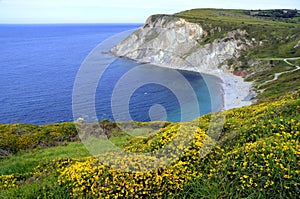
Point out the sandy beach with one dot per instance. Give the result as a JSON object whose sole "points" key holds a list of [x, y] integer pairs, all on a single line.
{"points": [[237, 92]]}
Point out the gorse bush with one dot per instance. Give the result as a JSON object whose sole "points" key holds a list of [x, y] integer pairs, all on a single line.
{"points": [[17, 137], [268, 167], [126, 177], [257, 156]]}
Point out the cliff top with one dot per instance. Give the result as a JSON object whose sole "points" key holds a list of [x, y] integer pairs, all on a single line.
{"points": [[271, 17]]}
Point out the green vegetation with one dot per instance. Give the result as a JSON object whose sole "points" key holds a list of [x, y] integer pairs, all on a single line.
{"points": [[257, 154], [273, 35], [285, 83], [278, 37], [286, 15], [25, 163], [16, 138], [219, 22]]}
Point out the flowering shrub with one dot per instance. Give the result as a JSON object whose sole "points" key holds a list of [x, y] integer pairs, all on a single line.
{"points": [[256, 155], [17, 137], [269, 166], [94, 178], [7, 181]]}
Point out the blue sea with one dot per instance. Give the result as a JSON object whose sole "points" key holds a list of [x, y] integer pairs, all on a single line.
{"points": [[39, 65]]}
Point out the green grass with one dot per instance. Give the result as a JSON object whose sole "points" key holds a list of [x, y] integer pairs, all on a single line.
{"points": [[228, 20], [285, 83], [229, 15], [26, 162], [45, 187], [267, 70], [18, 138], [197, 188], [31, 185], [295, 62], [142, 132]]}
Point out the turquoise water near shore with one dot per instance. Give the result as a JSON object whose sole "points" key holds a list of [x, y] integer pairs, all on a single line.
{"points": [[38, 67]]}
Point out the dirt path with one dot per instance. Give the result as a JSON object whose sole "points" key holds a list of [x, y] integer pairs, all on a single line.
{"points": [[277, 75]]}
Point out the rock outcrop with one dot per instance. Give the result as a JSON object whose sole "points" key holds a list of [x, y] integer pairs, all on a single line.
{"points": [[174, 42]]}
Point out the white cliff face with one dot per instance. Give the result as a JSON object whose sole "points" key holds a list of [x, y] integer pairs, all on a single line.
{"points": [[173, 42], [210, 56]]}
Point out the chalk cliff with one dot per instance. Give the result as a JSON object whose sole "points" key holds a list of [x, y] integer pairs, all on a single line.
{"points": [[174, 42]]}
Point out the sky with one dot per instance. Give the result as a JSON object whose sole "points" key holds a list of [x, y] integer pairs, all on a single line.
{"points": [[117, 11]]}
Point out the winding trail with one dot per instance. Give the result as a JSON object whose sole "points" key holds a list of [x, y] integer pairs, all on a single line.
{"points": [[277, 75]]}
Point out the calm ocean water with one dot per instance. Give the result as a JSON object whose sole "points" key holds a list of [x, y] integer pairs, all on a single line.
{"points": [[38, 67]]}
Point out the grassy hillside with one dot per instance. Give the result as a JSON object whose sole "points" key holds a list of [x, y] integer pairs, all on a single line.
{"points": [[276, 34], [257, 154]]}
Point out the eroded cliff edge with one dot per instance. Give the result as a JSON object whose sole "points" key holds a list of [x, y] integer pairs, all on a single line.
{"points": [[173, 42]]}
